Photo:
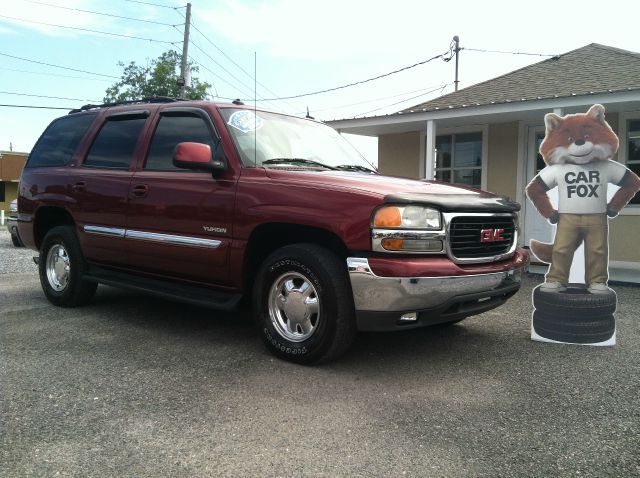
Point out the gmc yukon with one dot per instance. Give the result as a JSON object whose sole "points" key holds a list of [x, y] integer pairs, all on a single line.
{"points": [[209, 203]]}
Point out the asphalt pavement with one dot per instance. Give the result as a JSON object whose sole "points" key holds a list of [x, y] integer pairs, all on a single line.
{"points": [[137, 386]]}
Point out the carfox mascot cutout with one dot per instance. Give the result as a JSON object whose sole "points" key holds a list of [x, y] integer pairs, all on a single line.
{"points": [[577, 149]]}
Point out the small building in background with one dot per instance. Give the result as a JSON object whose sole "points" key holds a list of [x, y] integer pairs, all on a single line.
{"points": [[11, 164]]}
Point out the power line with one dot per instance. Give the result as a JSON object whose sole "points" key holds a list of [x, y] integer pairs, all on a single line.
{"points": [[58, 66], [87, 30], [220, 78], [441, 87], [45, 96], [52, 74], [99, 13], [222, 67], [506, 52], [237, 65], [153, 4], [371, 100], [442, 55], [228, 57], [38, 107]]}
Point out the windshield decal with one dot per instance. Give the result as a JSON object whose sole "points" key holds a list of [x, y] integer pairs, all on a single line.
{"points": [[245, 121]]}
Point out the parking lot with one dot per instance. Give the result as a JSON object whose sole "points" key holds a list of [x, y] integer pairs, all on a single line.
{"points": [[138, 386]]}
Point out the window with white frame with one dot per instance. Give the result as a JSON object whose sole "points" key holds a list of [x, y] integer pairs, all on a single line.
{"points": [[633, 151], [459, 159]]}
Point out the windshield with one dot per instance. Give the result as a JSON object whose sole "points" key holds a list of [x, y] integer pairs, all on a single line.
{"points": [[272, 140]]}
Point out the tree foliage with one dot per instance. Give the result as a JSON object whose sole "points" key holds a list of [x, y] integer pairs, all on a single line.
{"points": [[158, 78]]}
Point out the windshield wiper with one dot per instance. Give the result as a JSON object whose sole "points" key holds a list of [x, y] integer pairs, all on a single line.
{"points": [[355, 167], [307, 162]]}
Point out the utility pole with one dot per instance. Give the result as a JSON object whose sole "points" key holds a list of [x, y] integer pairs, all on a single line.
{"points": [[185, 54], [456, 40]]}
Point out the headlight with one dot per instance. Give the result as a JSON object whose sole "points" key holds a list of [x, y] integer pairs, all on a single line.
{"points": [[407, 217], [13, 207]]}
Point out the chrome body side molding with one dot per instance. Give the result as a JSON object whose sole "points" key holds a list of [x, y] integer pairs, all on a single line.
{"points": [[172, 239]]}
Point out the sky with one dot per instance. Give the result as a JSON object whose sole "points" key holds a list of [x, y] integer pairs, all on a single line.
{"points": [[300, 46]]}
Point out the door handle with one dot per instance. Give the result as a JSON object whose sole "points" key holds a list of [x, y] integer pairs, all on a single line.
{"points": [[140, 190], [79, 187]]}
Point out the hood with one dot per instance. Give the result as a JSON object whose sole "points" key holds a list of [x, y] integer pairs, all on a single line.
{"points": [[445, 197]]}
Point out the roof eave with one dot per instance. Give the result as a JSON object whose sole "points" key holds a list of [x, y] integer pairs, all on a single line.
{"points": [[487, 110]]}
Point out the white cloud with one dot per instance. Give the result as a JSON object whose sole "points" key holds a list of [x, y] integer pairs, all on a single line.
{"points": [[313, 30]]}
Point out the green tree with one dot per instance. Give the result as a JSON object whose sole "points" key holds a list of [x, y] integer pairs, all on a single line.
{"points": [[158, 78]]}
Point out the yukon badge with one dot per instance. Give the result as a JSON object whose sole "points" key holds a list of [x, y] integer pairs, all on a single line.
{"points": [[219, 230]]}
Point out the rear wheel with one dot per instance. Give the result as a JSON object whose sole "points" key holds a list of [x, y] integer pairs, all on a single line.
{"points": [[303, 304], [61, 266]]}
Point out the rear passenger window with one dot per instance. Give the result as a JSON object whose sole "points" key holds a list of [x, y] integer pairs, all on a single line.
{"points": [[60, 140], [173, 129], [116, 142]]}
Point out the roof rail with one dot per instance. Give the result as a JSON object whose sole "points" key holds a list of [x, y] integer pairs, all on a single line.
{"points": [[153, 99]]}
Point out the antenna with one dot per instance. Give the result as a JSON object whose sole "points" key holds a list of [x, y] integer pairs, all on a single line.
{"points": [[255, 108]]}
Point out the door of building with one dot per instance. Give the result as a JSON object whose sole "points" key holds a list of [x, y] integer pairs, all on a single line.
{"points": [[535, 226]]}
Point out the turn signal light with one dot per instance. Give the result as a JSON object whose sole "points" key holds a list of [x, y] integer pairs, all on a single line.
{"points": [[393, 244], [388, 217], [412, 245]]}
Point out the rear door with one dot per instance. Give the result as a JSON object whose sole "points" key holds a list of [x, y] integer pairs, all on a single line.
{"points": [[101, 186], [179, 221]]}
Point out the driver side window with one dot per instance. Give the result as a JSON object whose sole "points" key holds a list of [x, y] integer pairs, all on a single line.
{"points": [[174, 128]]}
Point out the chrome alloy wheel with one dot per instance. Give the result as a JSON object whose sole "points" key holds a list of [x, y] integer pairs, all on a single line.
{"points": [[58, 268], [294, 307]]}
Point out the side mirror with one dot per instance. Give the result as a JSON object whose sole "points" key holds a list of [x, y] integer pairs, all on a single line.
{"points": [[197, 156]]}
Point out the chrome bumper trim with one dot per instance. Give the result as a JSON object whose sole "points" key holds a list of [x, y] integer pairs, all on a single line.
{"points": [[375, 293]]}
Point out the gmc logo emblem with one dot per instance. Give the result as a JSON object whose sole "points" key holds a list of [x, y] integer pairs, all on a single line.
{"points": [[491, 235]]}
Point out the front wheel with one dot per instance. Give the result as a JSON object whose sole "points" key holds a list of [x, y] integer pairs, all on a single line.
{"points": [[303, 304], [61, 266]]}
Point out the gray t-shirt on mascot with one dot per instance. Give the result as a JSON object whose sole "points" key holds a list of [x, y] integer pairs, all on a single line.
{"points": [[582, 188]]}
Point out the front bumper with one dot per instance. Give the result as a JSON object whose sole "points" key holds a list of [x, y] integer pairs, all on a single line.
{"points": [[381, 302]]}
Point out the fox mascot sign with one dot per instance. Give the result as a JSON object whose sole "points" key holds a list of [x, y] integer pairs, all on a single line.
{"points": [[578, 151]]}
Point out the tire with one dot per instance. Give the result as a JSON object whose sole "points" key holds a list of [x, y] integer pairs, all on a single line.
{"points": [[61, 266], [568, 329], [16, 241], [303, 304], [575, 302]]}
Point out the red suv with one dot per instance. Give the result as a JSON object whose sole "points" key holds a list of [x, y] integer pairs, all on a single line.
{"points": [[207, 203]]}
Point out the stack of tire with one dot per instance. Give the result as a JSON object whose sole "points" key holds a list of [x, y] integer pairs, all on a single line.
{"points": [[574, 315]]}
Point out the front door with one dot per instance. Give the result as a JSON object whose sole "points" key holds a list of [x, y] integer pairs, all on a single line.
{"points": [[178, 221], [535, 226]]}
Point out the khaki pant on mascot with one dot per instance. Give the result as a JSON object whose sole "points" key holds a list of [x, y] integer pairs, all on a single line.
{"points": [[578, 151]]}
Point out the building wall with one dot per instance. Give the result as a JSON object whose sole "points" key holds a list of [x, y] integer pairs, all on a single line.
{"points": [[11, 165], [399, 154], [502, 161], [10, 193], [623, 239]]}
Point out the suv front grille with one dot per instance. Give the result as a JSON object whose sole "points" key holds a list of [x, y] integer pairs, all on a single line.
{"points": [[466, 233]]}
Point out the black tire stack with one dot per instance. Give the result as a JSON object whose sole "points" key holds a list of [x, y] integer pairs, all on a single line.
{"points": [[574, 315]]}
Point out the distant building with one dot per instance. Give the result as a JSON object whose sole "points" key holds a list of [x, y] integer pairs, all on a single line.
{"points": [[11, 164]]}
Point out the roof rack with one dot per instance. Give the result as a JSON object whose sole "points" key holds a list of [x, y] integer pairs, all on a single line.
{"points": [[153, 99]]}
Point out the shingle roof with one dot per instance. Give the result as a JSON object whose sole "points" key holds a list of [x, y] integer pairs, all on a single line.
{"points": [[591, 69]]}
